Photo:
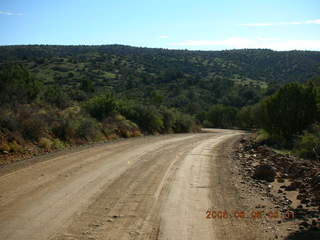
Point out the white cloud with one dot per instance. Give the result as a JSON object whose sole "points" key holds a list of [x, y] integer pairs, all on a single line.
{"points": [[267, 39], [258, 24], [241, 42], [315, 21], [10, 13], [164, 36]]}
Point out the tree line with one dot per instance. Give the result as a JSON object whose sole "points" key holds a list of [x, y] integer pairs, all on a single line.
{"points": [[190, 81], [289, 118]]}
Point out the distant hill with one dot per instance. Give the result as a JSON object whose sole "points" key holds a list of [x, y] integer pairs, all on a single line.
{"points": [[189, 80]]}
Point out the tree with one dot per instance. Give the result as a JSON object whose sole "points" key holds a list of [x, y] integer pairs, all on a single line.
{"points": [[289, 111], [156, 98], [17, 85], [246, 118], [222, 116], [86, 85], [56, 96], [102, 106], [148, 118]]}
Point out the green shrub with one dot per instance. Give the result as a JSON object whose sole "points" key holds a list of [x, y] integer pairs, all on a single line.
{"points": [[109, 129], [88, 129], [308, 144], [8, 120], [45, 143], [119, 117], [153, 119], [118, 125], [169, 119], [34, 128], [58, 144], [56, 96], [184, 123], [102, 106], [86, 85], [127, 128], [15, 147], [65, 126], [31, 123], [17, 85], [274, 140], [263, 137], [288, 112], [148, 118]]}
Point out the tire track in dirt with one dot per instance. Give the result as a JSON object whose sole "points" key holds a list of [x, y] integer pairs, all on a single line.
{"points": [[147, 188], [35, 206], [132, 211]]}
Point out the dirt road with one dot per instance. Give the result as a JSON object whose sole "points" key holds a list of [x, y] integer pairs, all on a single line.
{"points": [[144, 188]]}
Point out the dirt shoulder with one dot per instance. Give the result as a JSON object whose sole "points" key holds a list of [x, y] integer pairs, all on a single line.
{"points": [[293, 195], [235, 198]]}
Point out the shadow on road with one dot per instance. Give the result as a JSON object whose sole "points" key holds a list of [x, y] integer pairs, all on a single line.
{"points": [[304, 235]]}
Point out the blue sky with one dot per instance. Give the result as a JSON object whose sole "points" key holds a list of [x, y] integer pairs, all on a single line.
{"points": [[174, 24]]}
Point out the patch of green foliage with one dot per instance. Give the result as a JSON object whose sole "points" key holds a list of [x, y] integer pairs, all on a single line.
{"points": [[191, 81], [221, 116], [289, 111], [289, 119], [17, 85], [308, 144], [263, 137], [51, 119], [102, 106]]}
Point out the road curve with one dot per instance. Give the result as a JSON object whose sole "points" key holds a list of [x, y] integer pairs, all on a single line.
{"points": [[142, 188]]}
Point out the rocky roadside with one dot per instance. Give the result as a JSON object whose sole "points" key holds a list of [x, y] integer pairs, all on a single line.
{"points": [[287, 187]]}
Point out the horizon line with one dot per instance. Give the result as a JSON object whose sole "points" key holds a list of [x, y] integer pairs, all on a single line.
{"points": [[160, 48]]}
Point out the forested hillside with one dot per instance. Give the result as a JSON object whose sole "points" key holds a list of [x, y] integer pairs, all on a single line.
{"points": [[189, 80], [54, 96]]}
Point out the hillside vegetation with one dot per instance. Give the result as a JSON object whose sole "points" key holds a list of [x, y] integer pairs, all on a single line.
{"points": [[289, 118], [188, 80], [54, 96]]}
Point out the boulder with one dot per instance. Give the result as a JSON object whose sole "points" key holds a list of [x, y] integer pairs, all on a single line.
{"points": [[264, 172]]}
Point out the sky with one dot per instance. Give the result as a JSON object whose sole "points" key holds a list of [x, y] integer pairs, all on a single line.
{"points": [[172, 24]]}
